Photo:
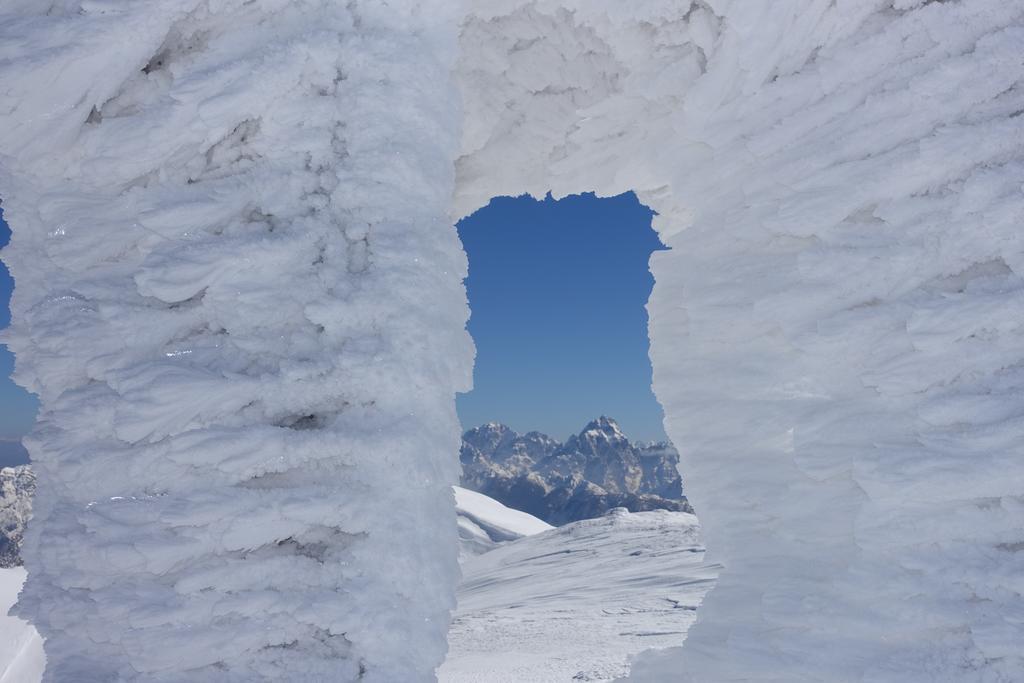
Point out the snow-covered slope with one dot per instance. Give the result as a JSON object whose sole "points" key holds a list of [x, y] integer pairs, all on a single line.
{"points": [[21, 649], [576, 602], [484, 523]]}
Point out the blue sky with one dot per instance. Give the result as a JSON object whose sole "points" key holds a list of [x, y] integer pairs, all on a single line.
{"points": [[17, 407], [557, 291]]}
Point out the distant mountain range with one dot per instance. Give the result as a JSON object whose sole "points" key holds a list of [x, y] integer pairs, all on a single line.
{"points": [[17, 485], [585, 477]]}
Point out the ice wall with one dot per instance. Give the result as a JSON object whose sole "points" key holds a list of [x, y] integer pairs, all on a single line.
{"points": [[836, 333], [239, 298]]}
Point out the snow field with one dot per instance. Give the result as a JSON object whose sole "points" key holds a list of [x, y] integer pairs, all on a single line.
{"points": [[576, 602]]}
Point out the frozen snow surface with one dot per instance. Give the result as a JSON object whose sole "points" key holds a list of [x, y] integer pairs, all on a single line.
{"points": [[21, 649], [484, 523], [837, 336], [575, 603], [238, 298]]}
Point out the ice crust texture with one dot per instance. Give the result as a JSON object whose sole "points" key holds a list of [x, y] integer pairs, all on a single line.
{"points": [[238, 297], [836, 332]]}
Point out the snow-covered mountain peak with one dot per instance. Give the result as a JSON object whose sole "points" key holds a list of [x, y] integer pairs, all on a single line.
{"points": [[604, 432], [604, 425], [592, 472], [491, 430]]}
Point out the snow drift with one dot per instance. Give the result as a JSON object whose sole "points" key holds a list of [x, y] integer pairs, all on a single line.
{"points": [[484, 523], [238, 298]]}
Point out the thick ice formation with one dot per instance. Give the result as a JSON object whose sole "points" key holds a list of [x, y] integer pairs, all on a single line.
{"points": [[836, 333], [238, 296], [239, 299]]}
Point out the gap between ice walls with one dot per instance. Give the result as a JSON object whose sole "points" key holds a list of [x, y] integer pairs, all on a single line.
{"points": [[239, 334]]}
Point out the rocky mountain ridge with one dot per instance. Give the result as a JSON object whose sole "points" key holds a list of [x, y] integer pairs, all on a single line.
{"points": [[17, 485], [585, 477]]}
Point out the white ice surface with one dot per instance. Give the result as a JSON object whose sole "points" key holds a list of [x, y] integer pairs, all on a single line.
{"points": [[239, 299], [576, 602], [836, 332], [21, 649], [484, 522]]}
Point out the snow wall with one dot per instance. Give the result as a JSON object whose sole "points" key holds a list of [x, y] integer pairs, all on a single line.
{"points": [[837, 334], [239, 298]]}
